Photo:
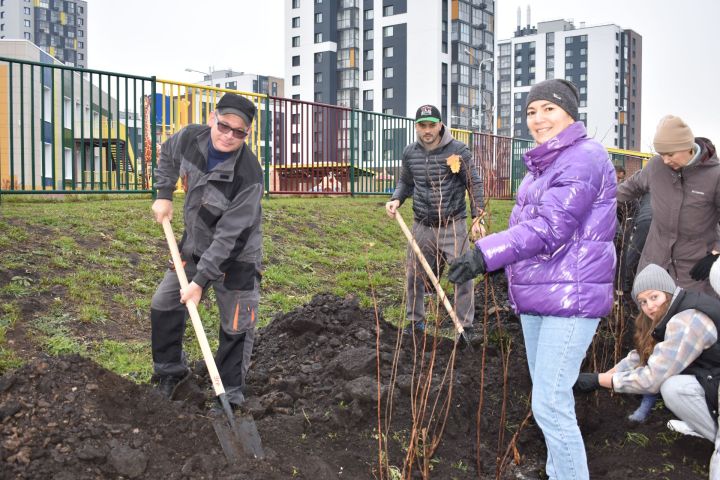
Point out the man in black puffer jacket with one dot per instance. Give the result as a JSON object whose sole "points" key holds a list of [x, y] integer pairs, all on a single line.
{"points": [[437, 170]]}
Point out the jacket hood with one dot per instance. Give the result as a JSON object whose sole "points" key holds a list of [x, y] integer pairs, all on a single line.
{"points": [[542, 156], [708, 150]]}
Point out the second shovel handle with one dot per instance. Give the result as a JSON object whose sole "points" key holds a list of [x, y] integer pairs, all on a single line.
{"points": [[428, 270]]}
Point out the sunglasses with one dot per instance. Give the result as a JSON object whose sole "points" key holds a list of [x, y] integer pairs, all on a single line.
{"points": [[238, 133]]}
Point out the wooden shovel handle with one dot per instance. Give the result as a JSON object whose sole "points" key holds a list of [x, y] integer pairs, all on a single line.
{"points": [[428, 270], [192, 308]]}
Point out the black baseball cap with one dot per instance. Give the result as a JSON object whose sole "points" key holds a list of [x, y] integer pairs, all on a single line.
{"points": [[236, 105], [428, 113]]}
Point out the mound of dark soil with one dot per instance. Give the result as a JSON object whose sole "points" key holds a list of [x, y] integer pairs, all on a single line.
{"points": [[313, 390]]}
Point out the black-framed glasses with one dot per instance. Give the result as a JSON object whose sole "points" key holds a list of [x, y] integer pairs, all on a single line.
{"points": [[238, 133]]}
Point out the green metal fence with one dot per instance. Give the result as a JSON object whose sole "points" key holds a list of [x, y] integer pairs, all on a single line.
{"points": [[71, 130]]}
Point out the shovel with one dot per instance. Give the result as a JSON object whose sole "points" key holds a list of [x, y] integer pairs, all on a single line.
{"points": [[431, 275], [236, 438]]}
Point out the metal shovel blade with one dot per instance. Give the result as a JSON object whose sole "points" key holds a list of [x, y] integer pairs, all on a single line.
{"points": [[240, 441]]}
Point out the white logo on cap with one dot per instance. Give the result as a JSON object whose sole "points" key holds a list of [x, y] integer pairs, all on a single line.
{"points": [[426, 110], [557, 96]]}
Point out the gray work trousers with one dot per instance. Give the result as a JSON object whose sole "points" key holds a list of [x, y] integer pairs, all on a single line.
{"points": [[238, 320], [439, 245]]}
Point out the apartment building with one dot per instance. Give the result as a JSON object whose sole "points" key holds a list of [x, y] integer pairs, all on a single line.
{"points": [[59, 27], [604, 61], [392, 56]]}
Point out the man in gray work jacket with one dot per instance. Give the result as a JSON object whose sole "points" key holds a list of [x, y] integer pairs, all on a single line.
{"points": [[221, 245], [436, 171]]}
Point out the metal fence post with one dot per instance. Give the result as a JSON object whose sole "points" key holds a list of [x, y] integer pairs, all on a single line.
{"points": [[352, 152], [153, 131], [268, 149]]}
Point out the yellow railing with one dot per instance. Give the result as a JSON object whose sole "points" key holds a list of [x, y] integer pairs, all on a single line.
{"points": [[186, 103]]}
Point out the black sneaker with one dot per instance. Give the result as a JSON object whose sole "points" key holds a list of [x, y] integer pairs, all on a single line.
{"points": [[418, 326], [234, 405], [167, 384], [471, 336]]}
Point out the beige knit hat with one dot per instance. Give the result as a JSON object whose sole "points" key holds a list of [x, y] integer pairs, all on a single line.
{"points": [[673, 135]]}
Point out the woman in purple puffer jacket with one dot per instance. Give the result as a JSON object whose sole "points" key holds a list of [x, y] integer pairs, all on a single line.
{"points": [[559, 259]]}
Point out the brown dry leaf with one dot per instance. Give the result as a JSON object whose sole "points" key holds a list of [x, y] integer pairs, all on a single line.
{"points": [[453, 162]]}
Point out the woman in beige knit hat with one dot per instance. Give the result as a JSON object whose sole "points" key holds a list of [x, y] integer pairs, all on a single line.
{"points": [[684, 178]]}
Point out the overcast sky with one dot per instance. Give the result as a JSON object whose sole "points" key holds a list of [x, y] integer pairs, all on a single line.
{"points": [[681, 58]]}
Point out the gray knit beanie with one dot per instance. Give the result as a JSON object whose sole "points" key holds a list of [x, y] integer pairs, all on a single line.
{"points": [[561, 92], [653, 277]]}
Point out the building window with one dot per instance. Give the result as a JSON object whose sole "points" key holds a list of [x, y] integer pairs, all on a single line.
{"points": [[388, 72], [295, 41], [368, 75], [388, 10], [318, 77], [296, 80], [388, 93], [318, 18], [318, 57], [318, 37], [369, 35], [296, 96], [296, 22], [81, 33], [388, 31], [295, 3], [26, 23], [369, 55], [368, 95], [27, 35], [369, 14], [388, 52], [388, 111], [26, 10]]}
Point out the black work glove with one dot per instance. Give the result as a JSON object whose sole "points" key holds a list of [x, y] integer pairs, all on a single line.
{"points": [[467, 266], [587, 382], [701, 270]]}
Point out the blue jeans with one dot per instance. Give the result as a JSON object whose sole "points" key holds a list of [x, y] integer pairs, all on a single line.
{"points": [[555, 349]]}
